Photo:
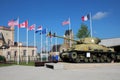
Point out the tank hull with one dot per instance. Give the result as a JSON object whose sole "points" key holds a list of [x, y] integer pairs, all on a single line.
{"points": [[88, 56], [88, 50]]}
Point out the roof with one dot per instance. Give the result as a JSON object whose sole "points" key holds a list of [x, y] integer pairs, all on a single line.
{"points": [[5, 28], [67, 32], [56, 47], [25, 46], [110, 42]]}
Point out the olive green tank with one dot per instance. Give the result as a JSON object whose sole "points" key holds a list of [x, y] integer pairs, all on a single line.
{"points": [[87, 50]]}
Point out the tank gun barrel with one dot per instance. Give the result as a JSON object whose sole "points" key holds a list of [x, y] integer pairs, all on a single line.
{"points": [[66, 38], [87, 40]]}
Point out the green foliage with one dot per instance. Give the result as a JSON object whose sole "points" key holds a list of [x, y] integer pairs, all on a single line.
{"points": [[2, 59], [83, 32]]}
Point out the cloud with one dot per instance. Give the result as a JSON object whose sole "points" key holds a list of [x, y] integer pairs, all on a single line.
{"points": [[99, 15]]}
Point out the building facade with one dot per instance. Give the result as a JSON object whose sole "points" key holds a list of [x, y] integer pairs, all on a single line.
{"points": [[11, 50], [57, 49]]}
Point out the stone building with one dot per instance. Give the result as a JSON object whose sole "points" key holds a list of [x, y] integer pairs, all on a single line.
{"points": [[11, 50], [56, 49], [68, 43]]}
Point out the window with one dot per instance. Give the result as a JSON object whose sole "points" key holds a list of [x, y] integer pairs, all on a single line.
{"points": [[24, 52], [8, 53], [15, 53], [33, 52], [9, 41]]}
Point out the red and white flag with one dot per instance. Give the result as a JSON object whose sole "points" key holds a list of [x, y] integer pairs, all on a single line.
{"points": [[65, 22], [24, 24], [13, 22], [85, 18], [39, 28], [32, 27]]}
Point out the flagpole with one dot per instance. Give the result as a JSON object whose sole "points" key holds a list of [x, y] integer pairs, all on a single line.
{"points": [[27, 44], [51, 41], [91, 24], [18, 54], [56, 43], [46, 46], [41, 46], [69, 31], [34, 39], [12, 34]]}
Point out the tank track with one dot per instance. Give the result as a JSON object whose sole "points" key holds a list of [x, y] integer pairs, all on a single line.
{"points": [[90, 57]]}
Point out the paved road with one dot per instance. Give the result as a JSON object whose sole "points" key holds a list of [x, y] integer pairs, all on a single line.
{"points": [[110, 72]]}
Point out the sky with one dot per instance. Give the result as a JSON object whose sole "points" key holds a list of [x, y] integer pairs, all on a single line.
{"points": [[51, 13]]}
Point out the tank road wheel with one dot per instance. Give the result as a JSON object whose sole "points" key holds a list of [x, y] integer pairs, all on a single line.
{"points": [[113, 56], [90, 60], [101, 60], [94, 57], [73, 55], [97, 60], [108, 60], [61, 56], [77, 60], [86, 60], [104, 57]]}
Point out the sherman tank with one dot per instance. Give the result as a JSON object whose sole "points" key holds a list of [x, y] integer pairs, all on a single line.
{"points": [[87, 50]]}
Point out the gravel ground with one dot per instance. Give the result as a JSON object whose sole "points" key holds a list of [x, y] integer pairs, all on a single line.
{"points": [[100, 71]]}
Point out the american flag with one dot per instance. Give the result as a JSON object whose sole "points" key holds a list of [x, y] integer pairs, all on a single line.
{"points": [[13, 22], [32, 27], [65, 22]]}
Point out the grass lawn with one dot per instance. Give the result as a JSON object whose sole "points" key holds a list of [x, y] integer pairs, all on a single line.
{"points": [[5, 64], [24, 63], [21, 63]]}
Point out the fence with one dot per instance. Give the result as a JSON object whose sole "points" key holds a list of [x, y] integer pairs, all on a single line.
{"points": [[23, 58]]}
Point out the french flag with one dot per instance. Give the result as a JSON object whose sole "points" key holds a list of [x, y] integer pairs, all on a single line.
{"points": [[85, 18]]}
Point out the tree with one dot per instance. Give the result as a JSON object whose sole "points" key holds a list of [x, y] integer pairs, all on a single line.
{"points": [[83, 32]]}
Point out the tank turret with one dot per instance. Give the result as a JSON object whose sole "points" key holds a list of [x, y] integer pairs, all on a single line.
{"points": [[87, 50], [90, 40], [87, 40]]}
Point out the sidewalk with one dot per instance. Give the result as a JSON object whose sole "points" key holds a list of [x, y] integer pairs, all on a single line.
{"points": [[42, 73]]}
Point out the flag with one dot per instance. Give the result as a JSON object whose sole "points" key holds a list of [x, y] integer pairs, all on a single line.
{"points": [[85, 18], [49, 34], [44, 31], [65, 22], [54, 35], [24, 24], [13, 22], [39, 29], [32, 27]]}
